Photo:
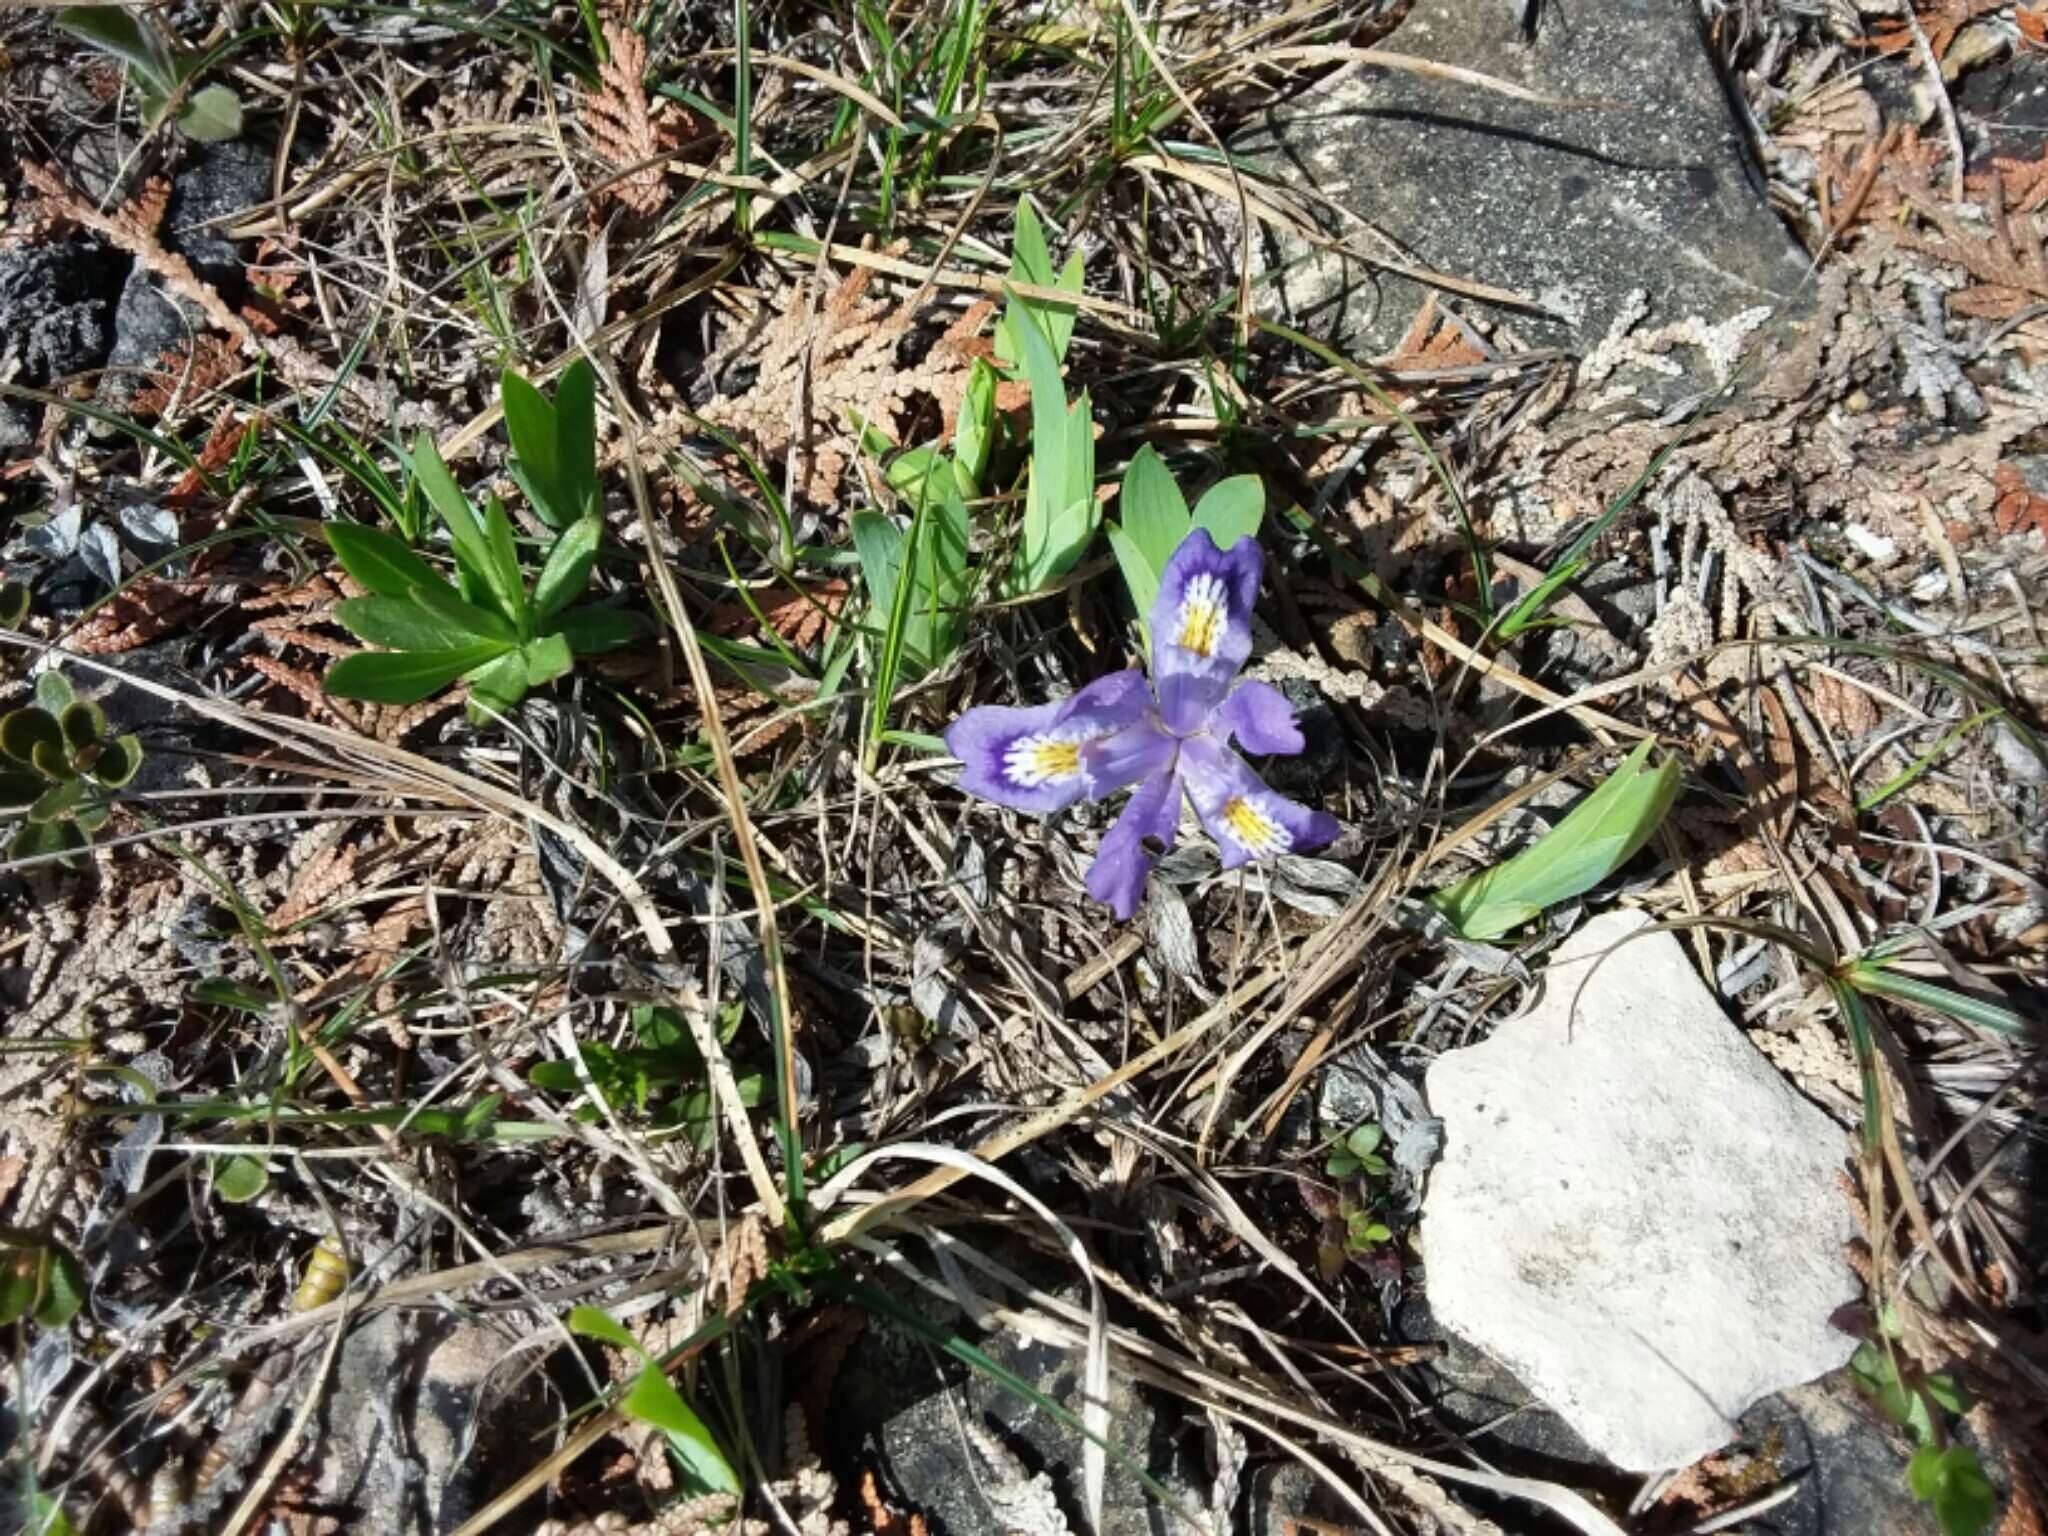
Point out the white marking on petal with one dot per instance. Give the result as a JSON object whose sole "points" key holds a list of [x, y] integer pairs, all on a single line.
{"points": [[1204, 617], [1049, 757], [1252, 829]]}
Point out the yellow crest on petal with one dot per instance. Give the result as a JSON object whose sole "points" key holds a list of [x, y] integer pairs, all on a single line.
{"points": [[1252, 829], [1204, 618], [1043, 759]]}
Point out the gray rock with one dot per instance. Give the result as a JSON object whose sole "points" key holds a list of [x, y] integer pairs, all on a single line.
{"points": [[1575, 208], [55, 304], [221, 181], [891, 1393], [424, 1421], [148, 322], [1635, 1213]]}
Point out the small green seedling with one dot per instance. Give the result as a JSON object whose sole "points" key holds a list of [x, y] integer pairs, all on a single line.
{"points": [[39, 1279], [1155, 521], [489, 629], [653, 1399], [160, 69], [662, 1077], [1943, 1474], [1352, 1216], [58, 764], [1602, 833], [1358, 1154]]}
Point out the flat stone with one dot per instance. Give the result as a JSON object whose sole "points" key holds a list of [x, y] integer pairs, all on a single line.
{"points": [[1635, 1214], [1577, 208]]}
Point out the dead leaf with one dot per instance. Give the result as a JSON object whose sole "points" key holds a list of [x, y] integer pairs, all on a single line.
{"points": [[2019, 508], [1842, 707], [1941, 20]]}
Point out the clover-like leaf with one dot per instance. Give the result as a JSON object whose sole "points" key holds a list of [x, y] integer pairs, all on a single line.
{"points": [[23, 730], [118, 761]]}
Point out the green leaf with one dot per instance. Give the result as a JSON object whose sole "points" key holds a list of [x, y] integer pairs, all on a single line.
{"points": [[1600, 835], [590, 630], [239, 1179], [49, 1518], [654, 1400], [496, 686], [474, 548], [57, 800], [974, 430], [1152, 510], [37, 839], [1964, 1501], [404, 625], [231, 994], [1140, 578], [546, 659], [1364, 1141], [406, 677], [1232, 509], [20, 788], [63, 1287], [922, 474], [38, 1279], [53, 693], [505, 565], [378, 562], [567, 570], [14, 601], [23, 730], [212, 114], [469, 620], [118, 761], [878, 545], [576, 440], [52, 762], [530, 423], [1060, 512], [83, 723], [91, 816], [133, 39], [596, 1323], [1031, 262]]}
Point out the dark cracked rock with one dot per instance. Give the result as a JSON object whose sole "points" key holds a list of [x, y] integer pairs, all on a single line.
{"points": [[56, 305], [1577, 208], [220, 182]]}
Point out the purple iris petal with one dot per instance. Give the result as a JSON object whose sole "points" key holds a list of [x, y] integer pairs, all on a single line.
{"points": [[1259, 717], [1248, 820], [1133, 753], [1030, 759], [1124, 862], [1202, 626]]}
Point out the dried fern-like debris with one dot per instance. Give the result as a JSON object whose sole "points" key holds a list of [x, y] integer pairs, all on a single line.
{"points": [[822, 372], [626, 133], [2008, 263]]}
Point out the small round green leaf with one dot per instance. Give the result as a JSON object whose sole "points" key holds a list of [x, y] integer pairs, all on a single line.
{"points": [[211, 114], [239, 1179]]}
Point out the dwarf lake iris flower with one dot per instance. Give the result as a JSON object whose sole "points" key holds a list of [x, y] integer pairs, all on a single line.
{"points": [[1173, 736]]}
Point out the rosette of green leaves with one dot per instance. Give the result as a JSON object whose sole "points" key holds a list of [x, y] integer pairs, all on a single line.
{"points": [[59, 765], [159, 67], [488, 628]]}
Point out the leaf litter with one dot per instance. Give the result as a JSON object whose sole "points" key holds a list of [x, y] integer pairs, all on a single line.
{"points": [[314, 909]]}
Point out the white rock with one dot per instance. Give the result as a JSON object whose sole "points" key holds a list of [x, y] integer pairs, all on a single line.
{"points": [[1873, 546], [1635, 1213]]}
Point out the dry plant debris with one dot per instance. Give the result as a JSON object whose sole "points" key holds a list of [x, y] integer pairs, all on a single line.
{"points": [[371, 930]]}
